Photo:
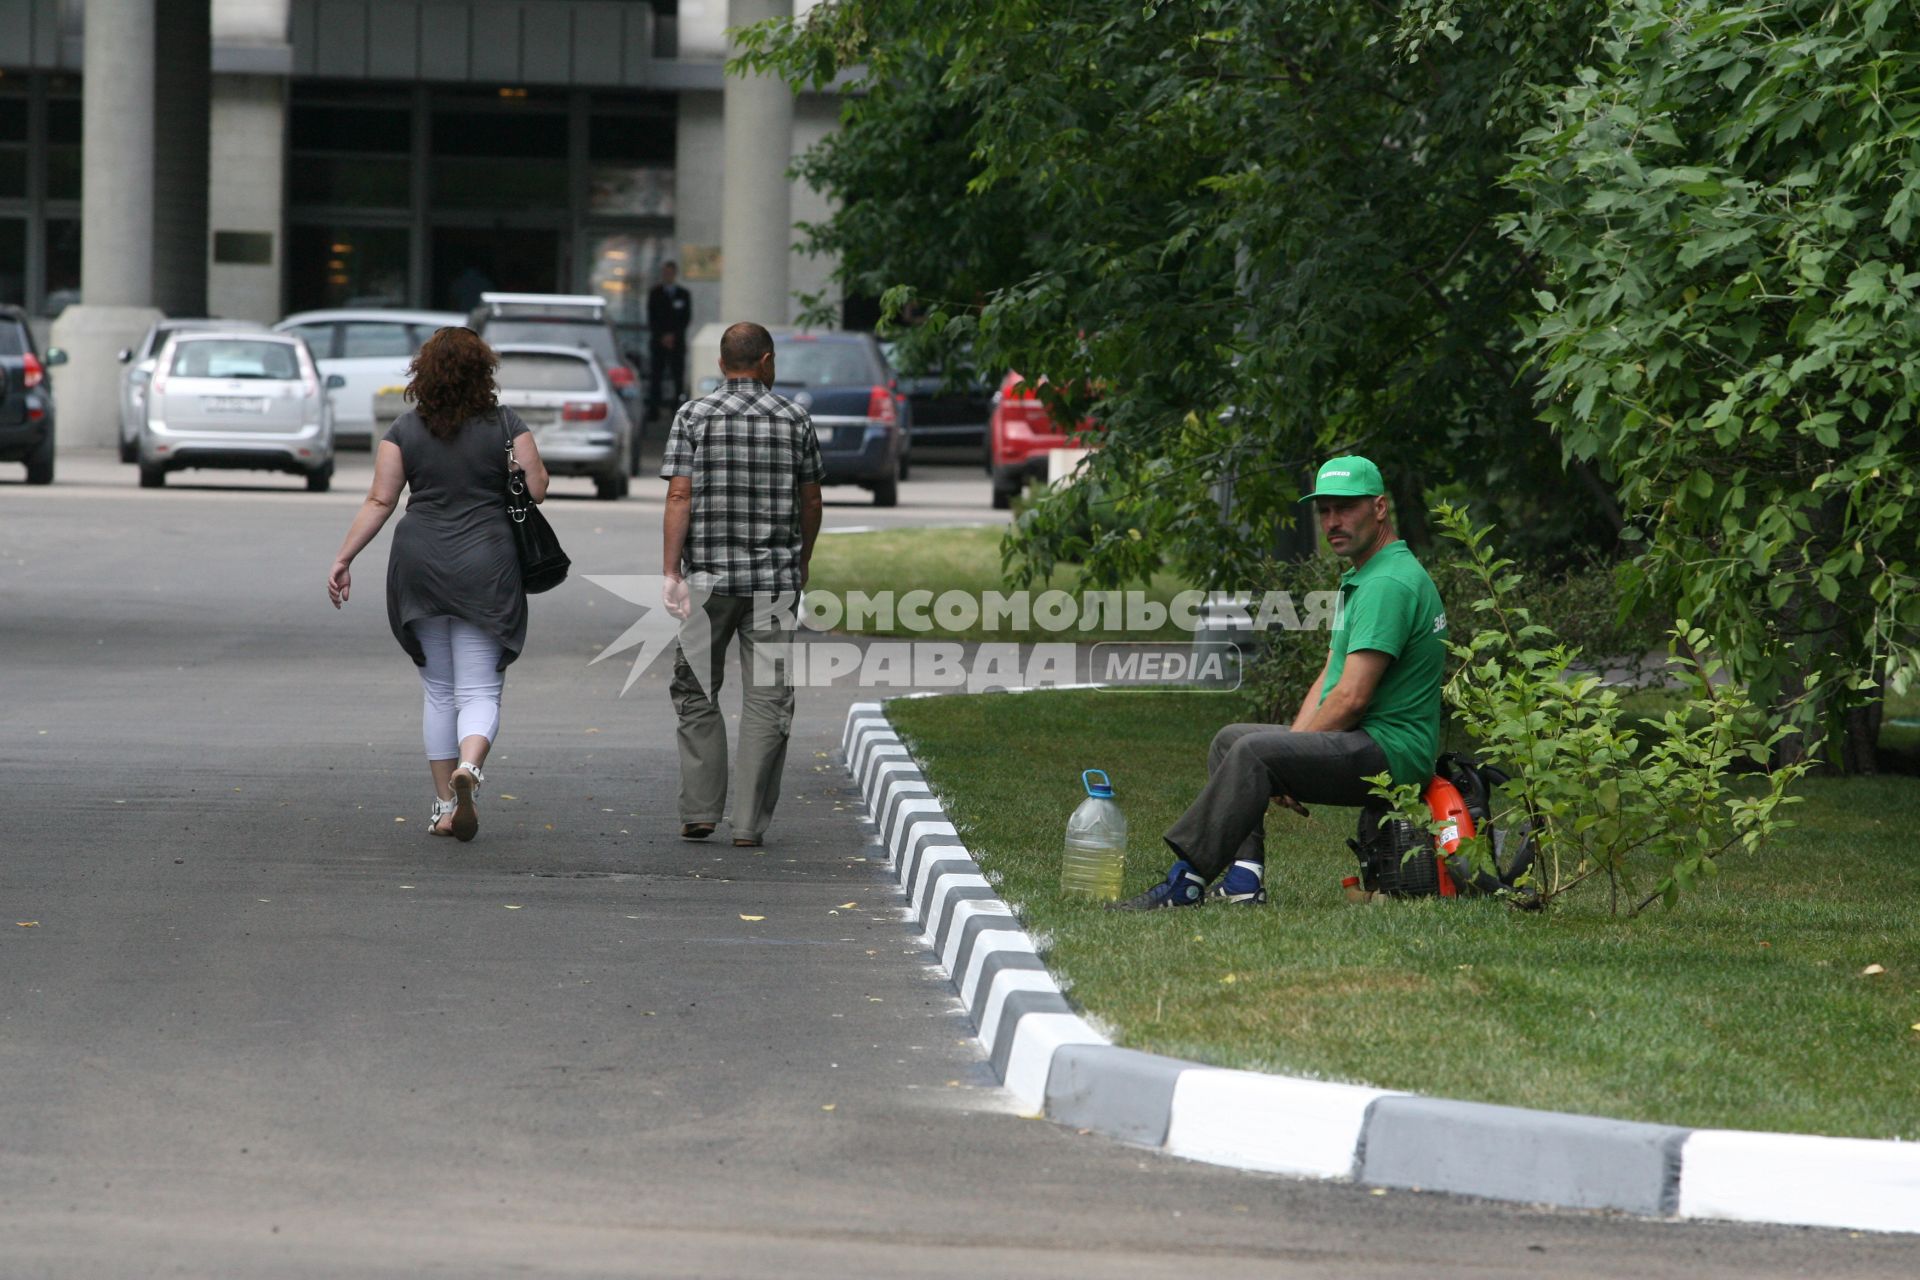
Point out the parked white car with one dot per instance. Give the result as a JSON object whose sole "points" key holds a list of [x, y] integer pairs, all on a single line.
{"points": [[248, 401], [368, 349], [574, 410], [139, 369]]}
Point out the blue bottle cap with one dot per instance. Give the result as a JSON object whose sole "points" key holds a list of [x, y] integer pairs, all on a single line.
{"points": [[1101, 790]]}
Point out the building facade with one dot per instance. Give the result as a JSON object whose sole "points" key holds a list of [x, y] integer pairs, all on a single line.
{"points": [[299, 154]]}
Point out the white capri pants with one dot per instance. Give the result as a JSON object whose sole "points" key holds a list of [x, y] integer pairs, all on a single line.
{"points": [[461, 683]]}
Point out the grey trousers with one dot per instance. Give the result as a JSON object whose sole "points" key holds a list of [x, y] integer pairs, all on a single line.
{"points": [[1247, 766], [766, 715]]}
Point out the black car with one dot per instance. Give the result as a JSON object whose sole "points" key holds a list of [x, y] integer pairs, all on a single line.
{"points": [[948, 409], [863, 422], [26, 397]]}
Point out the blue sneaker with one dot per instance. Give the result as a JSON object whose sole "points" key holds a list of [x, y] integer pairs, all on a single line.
{"points": [[1243, 884], [1183, 887]]}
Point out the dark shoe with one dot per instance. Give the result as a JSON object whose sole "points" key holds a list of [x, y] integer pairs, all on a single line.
{"points": [[695, 830], [1242, 884], [1183, 887]]}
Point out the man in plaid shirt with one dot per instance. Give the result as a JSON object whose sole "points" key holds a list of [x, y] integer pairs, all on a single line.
{"points": [[743, 508]]}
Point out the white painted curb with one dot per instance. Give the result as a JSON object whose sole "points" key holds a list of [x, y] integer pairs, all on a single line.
{"points": [[1055, 1063]]}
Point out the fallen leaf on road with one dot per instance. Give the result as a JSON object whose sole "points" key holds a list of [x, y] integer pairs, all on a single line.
{"points": [[846, 906], [505, 796], [827, 1107], [549, 826], [28, 924], [399, 819], [753, 917], [1872, 969], [589, 731], [511, 907], [406, 886]]}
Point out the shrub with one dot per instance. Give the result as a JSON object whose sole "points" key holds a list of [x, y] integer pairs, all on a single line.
{"points": [[1606, 802]]}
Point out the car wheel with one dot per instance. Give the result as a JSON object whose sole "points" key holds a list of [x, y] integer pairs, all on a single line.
{"points": [[40, 465], [906, 464], [129, 450], [886, 493], [609, 488], [1002, 498], [152, 477], [320, 481]]}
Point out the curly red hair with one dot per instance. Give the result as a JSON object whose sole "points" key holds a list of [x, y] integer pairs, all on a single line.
{"points": [[451, 380]]}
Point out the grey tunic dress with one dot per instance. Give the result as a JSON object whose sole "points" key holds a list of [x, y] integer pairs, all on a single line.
{"points": [[452, 550]]}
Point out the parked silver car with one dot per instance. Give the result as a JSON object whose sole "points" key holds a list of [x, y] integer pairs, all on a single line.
{"points": [[252, 401], [139, 368], [370, 349], [565, 396]]}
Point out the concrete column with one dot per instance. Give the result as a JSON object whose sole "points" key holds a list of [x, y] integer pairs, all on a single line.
{"points": [[248, 184], [756, 219], [116, 221]]}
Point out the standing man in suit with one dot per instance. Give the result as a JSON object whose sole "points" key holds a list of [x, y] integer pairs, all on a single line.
{"points": [[669, 312]]}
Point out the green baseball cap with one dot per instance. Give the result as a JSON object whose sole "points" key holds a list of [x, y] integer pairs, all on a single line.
{"points": [[1348, 477]]}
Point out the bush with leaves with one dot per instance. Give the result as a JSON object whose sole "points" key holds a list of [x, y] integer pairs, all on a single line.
{"points": [[1727, 206], [1646, 809], [1583, 604]]}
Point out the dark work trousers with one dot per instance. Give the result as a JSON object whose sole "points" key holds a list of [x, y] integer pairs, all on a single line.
{"points": [[766, 712], [668, 363], [1247, 766]]}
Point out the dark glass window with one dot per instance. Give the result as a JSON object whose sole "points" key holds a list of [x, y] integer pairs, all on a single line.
{"points": [[534, 135], [63, 149], [333, 266], [63, 263], [318, 128], [360, 182], [13, 260], [461, 183], [646, 140], [13, 119]]}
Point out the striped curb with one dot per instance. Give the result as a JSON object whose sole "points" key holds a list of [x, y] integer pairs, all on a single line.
{"points": [[1057, 1064]]}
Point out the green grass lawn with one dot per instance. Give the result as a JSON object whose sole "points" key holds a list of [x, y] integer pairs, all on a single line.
{"points": [[1744, 1007], [938, 560]]}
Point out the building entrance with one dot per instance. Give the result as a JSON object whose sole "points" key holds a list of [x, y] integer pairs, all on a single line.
{"points": [[469, 261]]}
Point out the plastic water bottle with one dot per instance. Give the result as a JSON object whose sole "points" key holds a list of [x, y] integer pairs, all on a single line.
{"points": [[1096, 857]]}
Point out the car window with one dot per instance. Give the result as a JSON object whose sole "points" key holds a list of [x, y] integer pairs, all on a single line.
{"points": [[822, 364], [362, 338], [596, 338], [417, 335], [13, 338], [319, 338], [531, 371], [236, 358]]}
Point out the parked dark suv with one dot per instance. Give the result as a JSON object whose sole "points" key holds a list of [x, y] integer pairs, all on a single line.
{"points": [[26, 398]]}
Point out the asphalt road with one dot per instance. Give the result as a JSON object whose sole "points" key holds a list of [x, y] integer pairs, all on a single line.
{"points": [[254, 1022]]}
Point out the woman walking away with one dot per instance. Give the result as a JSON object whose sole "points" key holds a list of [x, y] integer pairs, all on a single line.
{"points": [[454, 597]]}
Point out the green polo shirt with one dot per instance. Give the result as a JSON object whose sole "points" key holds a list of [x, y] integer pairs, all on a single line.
{"points": [[1390, 604]]}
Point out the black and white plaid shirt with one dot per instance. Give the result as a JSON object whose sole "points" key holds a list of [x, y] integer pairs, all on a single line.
{"points": [[748, 451]]}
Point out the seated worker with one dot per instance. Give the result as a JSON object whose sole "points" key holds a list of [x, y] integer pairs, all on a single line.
{"points": [[1375, 708]]}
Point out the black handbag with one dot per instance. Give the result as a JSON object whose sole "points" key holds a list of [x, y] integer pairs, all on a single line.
{"points": [[543, 565]]}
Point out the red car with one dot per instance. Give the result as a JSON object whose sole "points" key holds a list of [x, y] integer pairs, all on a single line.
{"points": [[1019, 434]]}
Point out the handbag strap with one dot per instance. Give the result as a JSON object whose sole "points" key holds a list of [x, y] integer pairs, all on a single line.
{"points": [[516, 487]]}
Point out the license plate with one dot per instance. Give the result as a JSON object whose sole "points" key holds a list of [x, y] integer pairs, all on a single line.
{"points": [[235, 404]]}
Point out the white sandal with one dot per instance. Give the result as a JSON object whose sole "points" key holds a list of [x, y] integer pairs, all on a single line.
{"points": [[441, 809], [466, 781]]}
